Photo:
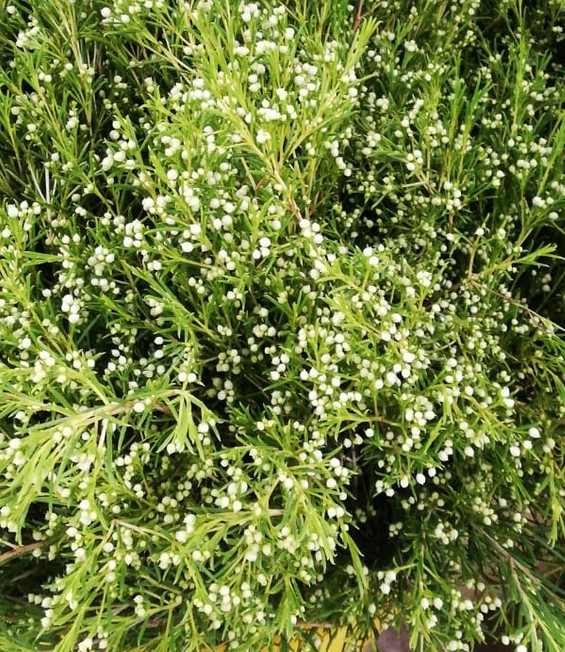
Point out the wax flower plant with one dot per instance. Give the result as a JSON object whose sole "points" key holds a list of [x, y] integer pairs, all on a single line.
{"points": [[281, 323]]}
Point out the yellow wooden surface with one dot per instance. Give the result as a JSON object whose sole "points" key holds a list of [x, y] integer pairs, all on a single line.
{"points": [[332, 640]]}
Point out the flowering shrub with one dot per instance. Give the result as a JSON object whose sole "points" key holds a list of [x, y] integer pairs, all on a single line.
{"points": [[281, 312]]}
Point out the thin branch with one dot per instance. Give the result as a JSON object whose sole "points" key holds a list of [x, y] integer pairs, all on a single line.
{"points": [[18, 551], [162, 408], [315, 626], [358, 15]]}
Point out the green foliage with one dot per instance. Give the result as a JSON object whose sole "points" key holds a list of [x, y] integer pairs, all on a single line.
{"points": [[281, 323]]}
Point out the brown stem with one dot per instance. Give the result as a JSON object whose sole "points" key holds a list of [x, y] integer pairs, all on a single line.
{"points": [[19, 550], [293, 208], [162, 408], [358, 15], [315, 626]]}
